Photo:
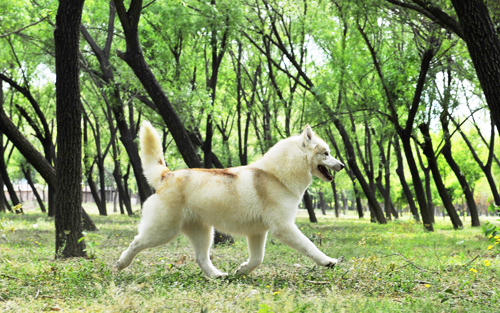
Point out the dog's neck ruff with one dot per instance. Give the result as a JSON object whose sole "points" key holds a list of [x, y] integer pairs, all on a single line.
{"points": [[289, 164]]}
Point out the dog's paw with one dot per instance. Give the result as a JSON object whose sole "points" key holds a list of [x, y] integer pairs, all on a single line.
{"points": [[218, 275], [333, 262], [119, 266], [242, 269]]}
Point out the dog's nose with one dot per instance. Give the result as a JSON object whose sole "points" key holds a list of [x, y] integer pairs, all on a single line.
{"points": [[342, 166]]}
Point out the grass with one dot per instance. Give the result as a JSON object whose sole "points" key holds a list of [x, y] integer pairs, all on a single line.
{"points": [[396, 267]]}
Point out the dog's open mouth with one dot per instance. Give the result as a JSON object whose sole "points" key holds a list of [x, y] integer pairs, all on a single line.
{"points": [[326, 172]]}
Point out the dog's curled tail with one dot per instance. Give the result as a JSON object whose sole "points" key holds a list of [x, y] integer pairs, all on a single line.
{"points": [[152, 158]]}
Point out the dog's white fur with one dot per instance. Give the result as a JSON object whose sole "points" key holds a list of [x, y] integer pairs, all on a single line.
{"points": [[248, 200]]}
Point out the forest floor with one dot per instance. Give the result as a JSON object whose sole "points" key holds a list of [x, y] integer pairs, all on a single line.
{"points": [[397, 267]]}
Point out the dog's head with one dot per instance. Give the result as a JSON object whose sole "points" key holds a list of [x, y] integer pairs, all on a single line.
{"points": [[320, 159]]}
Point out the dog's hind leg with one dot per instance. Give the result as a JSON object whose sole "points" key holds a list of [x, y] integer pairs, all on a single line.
{"points": [[256, 247], [159, 225], [201, 237]]}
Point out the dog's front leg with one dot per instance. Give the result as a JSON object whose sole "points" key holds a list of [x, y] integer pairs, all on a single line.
{"points": [[290, 235], [256, 247]]}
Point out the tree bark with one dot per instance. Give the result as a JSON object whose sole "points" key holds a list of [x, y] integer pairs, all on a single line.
{"points": [[135, 59], [485, 167], [68, 219], [335, 197], [309, 206], [446, 152], [27, 174], [428, 191], [89, 166], [6, 178], [401, 175], [114, 102], [359, 207], [483, 44], [436, 174], [43, 133], [405, 132]]}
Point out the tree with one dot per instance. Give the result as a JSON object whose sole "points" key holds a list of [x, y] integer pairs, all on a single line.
{"points": [[114, 102], [69, 133], [476, 28], [134, 57], [405, 132]]}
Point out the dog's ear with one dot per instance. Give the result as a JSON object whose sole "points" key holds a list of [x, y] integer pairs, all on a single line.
{"points": [[308, 135]]}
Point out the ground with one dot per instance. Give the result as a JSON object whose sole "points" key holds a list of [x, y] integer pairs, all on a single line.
{"points": [[398, 267]]}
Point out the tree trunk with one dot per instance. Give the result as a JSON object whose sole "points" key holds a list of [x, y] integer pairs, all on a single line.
{"points": [[322, 203], [351, 160], [335, 197], [484, 48], [43, 133], [309, 206], [68, 219], [446, 151], [89, 166], [135, 59], [3, 201], [436, 174], [401, 175], [121, 190], [427, 175], [359, 207], [6, 178], [27, 174], [115, 104]]}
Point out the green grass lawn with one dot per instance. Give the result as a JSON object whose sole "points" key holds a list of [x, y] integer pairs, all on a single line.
{"points": [[396, 267]]}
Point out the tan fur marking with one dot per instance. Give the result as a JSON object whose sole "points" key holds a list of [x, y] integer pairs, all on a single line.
{"points": [[216, 171], [164, 174], [262, 188], [160, 161]]}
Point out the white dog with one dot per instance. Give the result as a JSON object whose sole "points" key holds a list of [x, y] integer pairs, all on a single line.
{"points": [[248, 200]]}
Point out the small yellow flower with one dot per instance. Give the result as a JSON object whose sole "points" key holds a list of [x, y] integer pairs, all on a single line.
{"points": [[276, 293], [268, 286], [490, 247], [496, 237], [487, 263], [490, 236], [427, 285], [473, 270]]}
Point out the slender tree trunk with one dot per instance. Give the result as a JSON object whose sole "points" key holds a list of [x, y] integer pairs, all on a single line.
{"points": [[427, 175], [121, 190], [335, 197], [89, 166], [27, 174], [3, 201], [401, 175], [114, 102], [436, 174], [135, 59], [6, 178], [351, 160], [359, 207], [446, 151], [68, 219], [322, 203], [309, 206]]}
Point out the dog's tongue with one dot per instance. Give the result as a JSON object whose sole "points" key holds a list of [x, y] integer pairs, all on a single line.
{"points": [[325, 172]]}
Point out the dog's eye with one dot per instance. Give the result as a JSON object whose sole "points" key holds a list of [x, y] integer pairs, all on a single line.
{"points": [[326, 153]]}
